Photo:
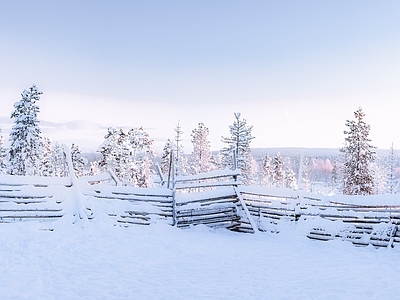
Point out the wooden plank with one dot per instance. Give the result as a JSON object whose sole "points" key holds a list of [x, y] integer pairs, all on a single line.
{"points": [[204, 185], [207, 221], [201, 212]]}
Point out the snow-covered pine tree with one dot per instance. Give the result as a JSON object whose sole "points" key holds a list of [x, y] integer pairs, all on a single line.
{"points": [[94, 168], [278, 175], [25, 142], [180, 162], [239, 142], [290, 177], [3, 155], [165, 163], [266, 170], [391, 171], [335, 177], [106, 148], [143, 153], [201, 158], [357, 155], [380, 178], [128, 155], [306, 184], [47, 166], [78, 161], [140, 142], [59, 160]]}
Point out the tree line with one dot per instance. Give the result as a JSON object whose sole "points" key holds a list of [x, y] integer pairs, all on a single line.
{"points": [[130, 155]]}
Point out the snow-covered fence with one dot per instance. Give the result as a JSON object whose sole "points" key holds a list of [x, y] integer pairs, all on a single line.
{"points": [[25, 198], [357, 219], [132, 205], [361, 223], [211, 199]]}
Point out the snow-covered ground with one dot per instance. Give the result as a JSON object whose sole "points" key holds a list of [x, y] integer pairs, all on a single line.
{"points": [[99, 261]]}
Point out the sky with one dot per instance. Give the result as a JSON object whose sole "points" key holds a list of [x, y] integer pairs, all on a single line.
{"points": [[295, 70]]}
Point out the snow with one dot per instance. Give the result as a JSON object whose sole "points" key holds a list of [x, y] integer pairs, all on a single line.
{"points": [[163, 262], [95, 259]]}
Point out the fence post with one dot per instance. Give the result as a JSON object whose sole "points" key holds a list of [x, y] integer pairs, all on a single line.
{"points": [[171, 179]]}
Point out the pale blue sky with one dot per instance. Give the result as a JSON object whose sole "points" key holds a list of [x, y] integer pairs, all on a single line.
{"points": [[296, 70]]}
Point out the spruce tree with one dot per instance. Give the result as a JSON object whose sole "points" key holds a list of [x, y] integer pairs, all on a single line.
{"points": [[238, 144], [25, 142], [278, 175], [335, 176], [266, 171], [165, 163], [391, 171], [180, 161], [305, 179], [201, 158], [290, 177], [128, 155], [59, 160], [78, 161], [358, 155], [47, 166], [3, 155]]}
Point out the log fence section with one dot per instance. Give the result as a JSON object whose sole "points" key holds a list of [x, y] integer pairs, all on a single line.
{"points": [[22, 200], [267, 210], [211, 199], [363, 225], [134, 206]]}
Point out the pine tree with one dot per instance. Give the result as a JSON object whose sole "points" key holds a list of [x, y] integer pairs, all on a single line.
{"points": [[267, 171], [380, 178], [25, 142], [78, 162], [201, 158], [335, 176], [143, 153], [306, 184], [59, 161], [128, 155], [47, 166], [180, 161], [278, 174], [391, 174], [357, 155], [3, 155], [165, 163], [238, 143], [290, 177]]}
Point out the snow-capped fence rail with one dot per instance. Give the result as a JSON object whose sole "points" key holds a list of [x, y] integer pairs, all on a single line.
{"points": [[130, 205], [25, 198]]}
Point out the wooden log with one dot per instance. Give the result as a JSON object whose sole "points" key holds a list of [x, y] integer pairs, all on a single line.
{"points": [[207, 221], [131, 222], [204, 185], [315, 235], [205, 211]]}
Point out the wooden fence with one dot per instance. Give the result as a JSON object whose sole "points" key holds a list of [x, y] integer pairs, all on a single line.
{"points": [[215, 199], [328, 216], [32, 198], [130, 205]]}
